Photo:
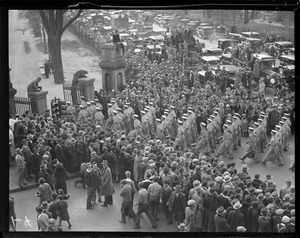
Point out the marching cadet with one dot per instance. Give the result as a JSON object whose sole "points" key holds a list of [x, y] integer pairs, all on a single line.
{"points": [[114, 104], [83, 103], [217, 122], [287, 125], [279, 137], [98, 104], [273, 153], [174, 120], [145, 127], [214, 130], [159, 130], [230, 130], [239, 123], [110, 110], [192, 121], [211, 139], [186, 131], [82, 115], [99, 117], [221, 111], [251, 150], [120, 118], [131, 113], [150, 121], [234, 132], [168, 124], [264, 125], [89, 110], [127, 122], [71, 111], [153, 111], [138, 125], [116, 123], [93, 109], [164, 126], [225, 146], [262, 138], [203, 146], [181, 136], [257, 135]]}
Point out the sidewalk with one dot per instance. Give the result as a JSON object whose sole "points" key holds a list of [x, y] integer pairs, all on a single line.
{"points": [[13, 180]]}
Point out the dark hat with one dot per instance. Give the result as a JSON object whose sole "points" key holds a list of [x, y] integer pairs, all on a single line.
{"points": [[221, 210]]}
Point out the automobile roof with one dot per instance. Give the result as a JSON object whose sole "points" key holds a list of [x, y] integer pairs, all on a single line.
{"points": [[210, 58]]}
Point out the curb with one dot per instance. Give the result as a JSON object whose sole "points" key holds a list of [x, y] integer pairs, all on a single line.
{"points": [[30, 186]]}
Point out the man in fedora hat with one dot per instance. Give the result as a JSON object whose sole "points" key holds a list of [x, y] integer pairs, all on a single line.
{"points": [[236, 217], [220, 221], [177, 204], [264, 221], [107, 186]]}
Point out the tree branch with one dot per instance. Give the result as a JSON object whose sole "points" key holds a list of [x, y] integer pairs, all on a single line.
{"points": [[45, 21], [77, 15]]}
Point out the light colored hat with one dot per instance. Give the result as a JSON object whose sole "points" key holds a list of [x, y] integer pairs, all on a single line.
{"points": [[285, 219], [220, 210], [152, 165], [237, 205], [227, 178], [241, 229], [191, 202]]}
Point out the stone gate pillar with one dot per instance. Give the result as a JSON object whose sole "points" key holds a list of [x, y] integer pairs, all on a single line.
{"points": [[87, 88], [113, 67], [39, 101]]}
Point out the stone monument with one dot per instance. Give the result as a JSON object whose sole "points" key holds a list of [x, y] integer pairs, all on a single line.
{"points": [[113, 67]]}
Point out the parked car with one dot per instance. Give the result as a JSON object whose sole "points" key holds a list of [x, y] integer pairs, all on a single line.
{"points": [[214, 52], [226, 56], [254, 42], [283, 46], [224, 43], [211, 60], [287, 60], [236, 36], [206, 32]]}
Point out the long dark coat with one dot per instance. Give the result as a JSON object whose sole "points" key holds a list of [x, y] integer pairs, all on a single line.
{"points": [[59, 154], [63, 210], [210, 204], [221, 224], [235, 219], [80, 152], [252, 217], [60, 176], [74, 162]]}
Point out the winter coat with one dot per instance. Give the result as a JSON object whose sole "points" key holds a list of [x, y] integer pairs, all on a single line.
{"points": [[221, 224], [107, 183], [60, 176]]}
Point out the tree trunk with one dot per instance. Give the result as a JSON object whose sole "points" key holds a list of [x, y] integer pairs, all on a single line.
{"points": [[234, 16], [57, 66], [222, 18]]}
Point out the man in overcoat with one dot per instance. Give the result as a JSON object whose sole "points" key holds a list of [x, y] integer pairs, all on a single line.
{"points": [[107, 186]]}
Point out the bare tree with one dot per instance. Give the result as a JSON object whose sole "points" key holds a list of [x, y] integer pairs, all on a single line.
{"points": [[246, 16], [53, 22]]}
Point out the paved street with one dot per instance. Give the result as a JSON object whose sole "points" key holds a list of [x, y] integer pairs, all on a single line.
{"points": [[107, 219]]}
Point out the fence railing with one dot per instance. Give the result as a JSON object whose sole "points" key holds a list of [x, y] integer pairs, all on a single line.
{"points": [[22, 105], [72, 94]]}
